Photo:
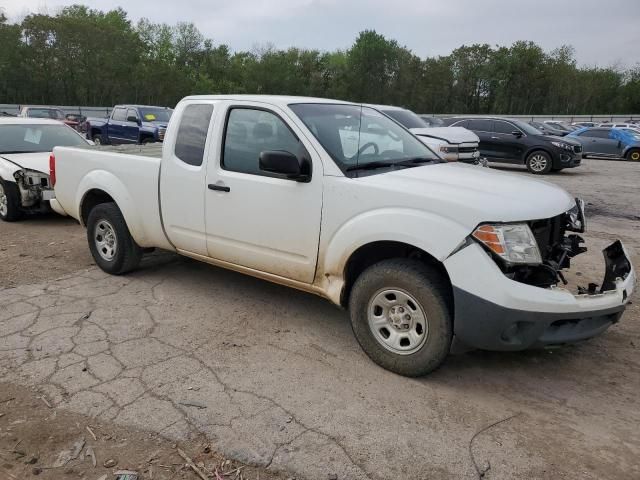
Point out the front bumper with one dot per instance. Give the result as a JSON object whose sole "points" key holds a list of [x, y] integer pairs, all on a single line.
{"points": [[493, 312], [567, 159]]}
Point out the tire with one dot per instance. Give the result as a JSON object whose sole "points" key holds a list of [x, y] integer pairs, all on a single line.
{"points": [[9, 202], [539, 162], [407, 286], [633, 155], [146, 140], [97, 139], [110, 242]]}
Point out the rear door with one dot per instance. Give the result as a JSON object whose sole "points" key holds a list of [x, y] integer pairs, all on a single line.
{"points": [[254, 219], [483, 128], [182, 176], [115, 128]]}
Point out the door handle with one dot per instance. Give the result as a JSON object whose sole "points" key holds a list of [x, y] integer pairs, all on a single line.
{"points": [[495, 138], [219, 188]]}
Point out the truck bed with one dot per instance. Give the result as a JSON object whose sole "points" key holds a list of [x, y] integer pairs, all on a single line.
{"points": [[151, 150], [129, 174]]}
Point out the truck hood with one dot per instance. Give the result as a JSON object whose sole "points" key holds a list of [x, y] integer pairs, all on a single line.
{"points": [[35, 161], [470, 195], [449, 134]]}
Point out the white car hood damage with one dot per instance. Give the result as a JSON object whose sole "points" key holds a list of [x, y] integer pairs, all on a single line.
{"points": [[452, 135], [471, 195], [34, 161]]}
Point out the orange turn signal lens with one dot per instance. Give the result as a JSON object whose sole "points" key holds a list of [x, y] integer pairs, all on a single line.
{"points": [[490, 237]]}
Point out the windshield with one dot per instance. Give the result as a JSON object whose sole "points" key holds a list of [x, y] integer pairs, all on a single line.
{"points": [[433, 121], [156, 114], [634, 133], [359, 138], [26, 138], [406, 118], [526, 128], [45, 113]]}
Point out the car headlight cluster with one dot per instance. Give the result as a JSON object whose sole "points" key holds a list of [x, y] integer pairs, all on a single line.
{"points": [[564, 146], [514, 243], [447, 149]]}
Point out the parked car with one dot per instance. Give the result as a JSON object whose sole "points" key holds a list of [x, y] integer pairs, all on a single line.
{"points": [[584, 124], [77, 122], [25, 147], [451, 143], [548, 129], [513, 141], [561, 125], [617, 143], [621, 125], [336, 199], [130, 124], [432, 121], [46, 112]]}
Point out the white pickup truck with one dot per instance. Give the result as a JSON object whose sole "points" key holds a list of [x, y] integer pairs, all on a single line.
{"points": [[337, 199]]}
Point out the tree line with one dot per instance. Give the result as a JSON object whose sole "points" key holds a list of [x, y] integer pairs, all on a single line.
{"points": [[82, 56]]}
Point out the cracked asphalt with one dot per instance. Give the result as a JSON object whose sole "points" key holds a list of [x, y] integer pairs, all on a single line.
{"points": [[274, 377]]}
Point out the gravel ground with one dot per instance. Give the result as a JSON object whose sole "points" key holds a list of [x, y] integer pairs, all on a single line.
{"points": [[273, 377]]}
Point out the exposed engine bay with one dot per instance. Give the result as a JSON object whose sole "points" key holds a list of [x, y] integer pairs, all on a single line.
{"points": [[34, 187], [558, 247]]}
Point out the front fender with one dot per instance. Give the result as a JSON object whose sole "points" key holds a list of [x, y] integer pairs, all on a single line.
{"points": [[7, 169], [113, 186], [436, 235]]}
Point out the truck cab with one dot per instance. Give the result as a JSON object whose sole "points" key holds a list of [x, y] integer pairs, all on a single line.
{"points": [[130, 124]]}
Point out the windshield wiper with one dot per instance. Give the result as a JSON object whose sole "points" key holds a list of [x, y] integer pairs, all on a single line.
{"points": [[370, 166], [416, 161]]}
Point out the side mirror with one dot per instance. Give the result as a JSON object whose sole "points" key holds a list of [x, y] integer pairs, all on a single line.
{"points": [[132, 119], [286, 164], [516, 133]]}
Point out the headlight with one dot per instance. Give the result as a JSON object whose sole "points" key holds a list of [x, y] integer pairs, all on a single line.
{"points": [[512, 242], [564, 146], [447, 149], [576, 220]]}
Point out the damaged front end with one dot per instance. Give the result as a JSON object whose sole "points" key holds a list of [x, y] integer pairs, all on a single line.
{"points": [[35, 190], [558, 247]]}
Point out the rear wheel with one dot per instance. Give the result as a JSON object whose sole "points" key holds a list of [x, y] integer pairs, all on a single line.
{"points": [[539, 162], [9, 202], [633, 155], [400, 316], [110, 242]]}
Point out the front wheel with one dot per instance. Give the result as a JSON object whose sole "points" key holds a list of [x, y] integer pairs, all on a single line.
{"points": [[633, 155], [97, 139], [9, 202], [400, 316], [539, 162], [110, 242]]}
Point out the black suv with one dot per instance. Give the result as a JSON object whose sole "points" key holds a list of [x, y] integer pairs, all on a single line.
{"points": [[512, 141]]}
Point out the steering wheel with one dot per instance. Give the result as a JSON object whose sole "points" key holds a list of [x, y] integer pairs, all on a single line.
{"points": [[376, 150]]}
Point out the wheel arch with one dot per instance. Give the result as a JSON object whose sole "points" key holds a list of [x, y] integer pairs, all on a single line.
{"points": [[374, 252], [359, 243], [101, 186]]}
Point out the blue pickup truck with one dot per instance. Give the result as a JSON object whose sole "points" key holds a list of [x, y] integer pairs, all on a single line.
{"points": [[130, 124]]}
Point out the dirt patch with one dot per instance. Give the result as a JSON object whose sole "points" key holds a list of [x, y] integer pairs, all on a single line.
{"points": [[38, 248], [34, 437]]}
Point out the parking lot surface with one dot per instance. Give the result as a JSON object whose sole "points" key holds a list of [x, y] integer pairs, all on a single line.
{"points": [[274, 377]]}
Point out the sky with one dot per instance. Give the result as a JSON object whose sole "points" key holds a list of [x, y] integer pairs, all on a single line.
{"points": [[603, 32]]}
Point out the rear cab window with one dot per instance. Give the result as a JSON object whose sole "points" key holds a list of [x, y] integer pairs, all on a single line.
{"points": [[192, 133]]}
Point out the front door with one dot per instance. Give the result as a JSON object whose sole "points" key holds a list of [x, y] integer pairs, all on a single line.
{"points": [[131, 127], [255, 219], [508, 147], [599, 142], [483, 128]]}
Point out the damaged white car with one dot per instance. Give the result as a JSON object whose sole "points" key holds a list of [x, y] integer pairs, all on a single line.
{"points": [[25, 147]]}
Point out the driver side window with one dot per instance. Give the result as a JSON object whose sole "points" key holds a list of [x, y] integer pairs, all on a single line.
{"points": [[248, 133]]}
